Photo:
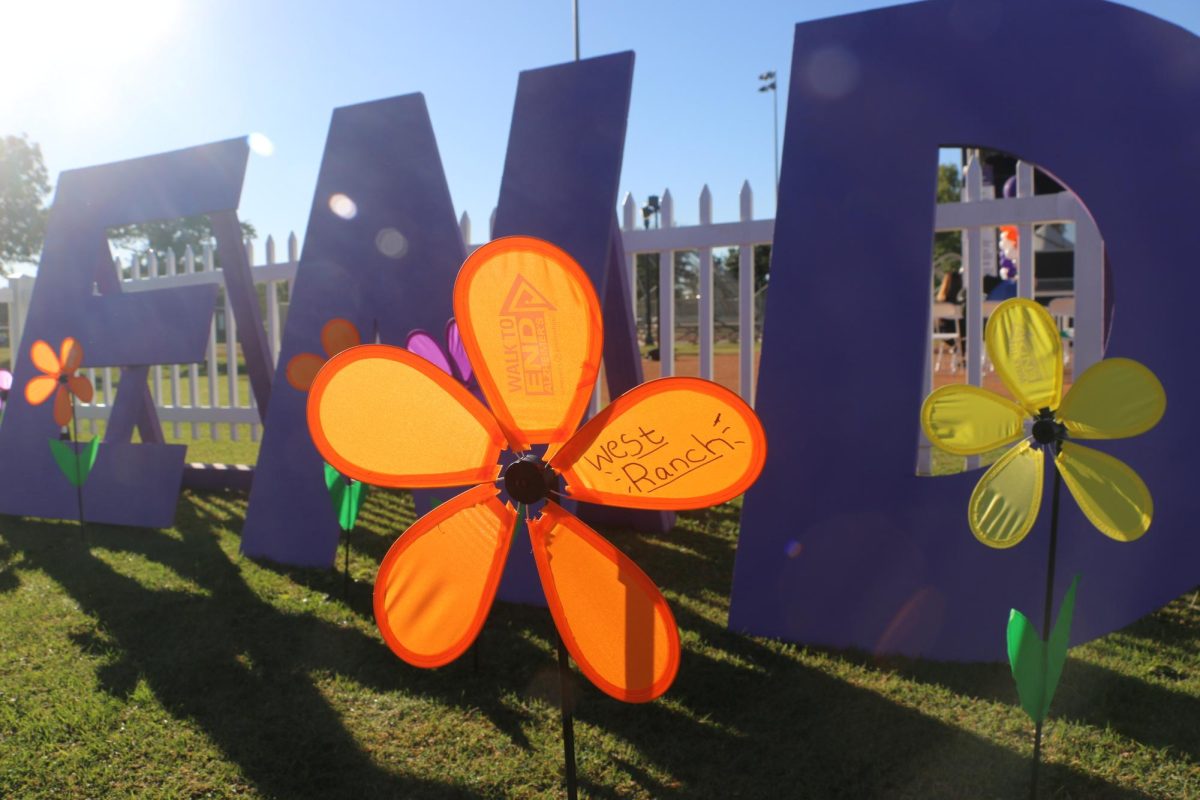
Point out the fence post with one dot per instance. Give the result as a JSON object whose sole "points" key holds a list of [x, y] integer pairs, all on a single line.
{"points": [[464, 229], [212, 355], [22, 288], [1089, 292], [173, 269], [666, 294], [705, 307], [1026, 280], [189, 267], [274, 337], [747, 326], [628, 217]]}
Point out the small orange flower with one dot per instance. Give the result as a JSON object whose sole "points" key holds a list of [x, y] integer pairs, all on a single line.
{"points": [[58, 378], [337, 335]]}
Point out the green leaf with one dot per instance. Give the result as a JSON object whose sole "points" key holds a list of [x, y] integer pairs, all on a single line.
{"points": [[347, 496], [1060, 638], [1036, 664], [1026, 656], [75, 460]]}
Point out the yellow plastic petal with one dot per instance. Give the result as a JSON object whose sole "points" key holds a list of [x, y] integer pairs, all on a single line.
{"points": [[612, 618], [967, 421], [44, 358], [1005, 502], [1024, 345], [1114, 398], [385, 416], [531, 326], [438, 580], [39, 388], [1110, 494], [673, 443]]}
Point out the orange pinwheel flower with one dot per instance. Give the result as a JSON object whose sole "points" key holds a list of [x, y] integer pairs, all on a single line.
{"points": [[58, 378], [337, 335], [531, 325]]}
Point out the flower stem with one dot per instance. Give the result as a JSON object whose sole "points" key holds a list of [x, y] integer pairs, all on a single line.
{"points": [[78, 469], [1046, 608], [568, 722]]}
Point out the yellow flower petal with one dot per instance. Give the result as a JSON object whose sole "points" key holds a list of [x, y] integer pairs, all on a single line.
{"points": [[1114, 398], [1006, 499], [1024, 345], [1110, 494], [967, 421]]}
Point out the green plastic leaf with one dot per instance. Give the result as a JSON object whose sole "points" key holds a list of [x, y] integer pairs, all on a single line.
{"points": [[1037, 665], [347, 496], [75, 460]]}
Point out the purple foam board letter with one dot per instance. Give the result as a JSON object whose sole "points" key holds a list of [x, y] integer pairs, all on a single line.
{"points": [[388, 267], [841, 543], [130, 484], [560, 183]]}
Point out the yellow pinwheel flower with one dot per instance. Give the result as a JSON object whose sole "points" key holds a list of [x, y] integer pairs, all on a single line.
{"points": [[1113, 399]]}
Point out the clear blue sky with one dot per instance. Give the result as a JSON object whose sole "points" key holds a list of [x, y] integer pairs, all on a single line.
{"points": [[128, 78]]}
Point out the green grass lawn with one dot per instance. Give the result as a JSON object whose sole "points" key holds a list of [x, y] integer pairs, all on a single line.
{"points": [[161, 664]]}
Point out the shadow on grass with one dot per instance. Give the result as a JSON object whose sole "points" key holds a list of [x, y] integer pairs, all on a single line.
{"points": [[743, 719]]}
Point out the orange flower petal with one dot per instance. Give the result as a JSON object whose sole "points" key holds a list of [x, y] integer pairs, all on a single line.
{"points": [[673, 443], [612, 618], [44, 358], [40, 388], [81, 387], [437, 582], [338, 335], [63, 410], [388, 417], [302, 369], [71, 355], [531, 325]]}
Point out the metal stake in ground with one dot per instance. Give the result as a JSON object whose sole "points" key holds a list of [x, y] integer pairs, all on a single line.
{"points": [[78, 468], [568, 720], [1050, 559]]}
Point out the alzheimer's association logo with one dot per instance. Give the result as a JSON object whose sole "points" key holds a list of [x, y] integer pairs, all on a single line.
{"points": [[523, 330]]}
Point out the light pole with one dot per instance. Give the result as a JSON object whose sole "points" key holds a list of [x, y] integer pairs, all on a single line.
{"points": [[768, 85], [575, 23], [651, 210]]}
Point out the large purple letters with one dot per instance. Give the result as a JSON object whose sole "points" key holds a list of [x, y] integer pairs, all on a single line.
{"points": [[841, 543]]}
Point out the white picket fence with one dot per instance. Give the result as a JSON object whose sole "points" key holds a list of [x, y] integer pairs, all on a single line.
{"points": [[217, 407]]}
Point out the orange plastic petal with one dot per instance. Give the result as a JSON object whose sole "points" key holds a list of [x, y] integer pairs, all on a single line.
{"points": [[338, 335], [81, 387], [302, 370], [62, 406], [673, 443], [44, 358], [612, 618], [71, 354], [386, 416], [531, 325], [39, 388], [438, 580]]}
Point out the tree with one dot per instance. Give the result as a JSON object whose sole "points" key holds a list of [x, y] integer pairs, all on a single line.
{"points": [[23, 190], [762, 265], [947, 245], [175, 235]]}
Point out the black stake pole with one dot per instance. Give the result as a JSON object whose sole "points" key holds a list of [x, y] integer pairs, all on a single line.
{"points": [[1046, 608], [568, 721], [78, 470]]}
